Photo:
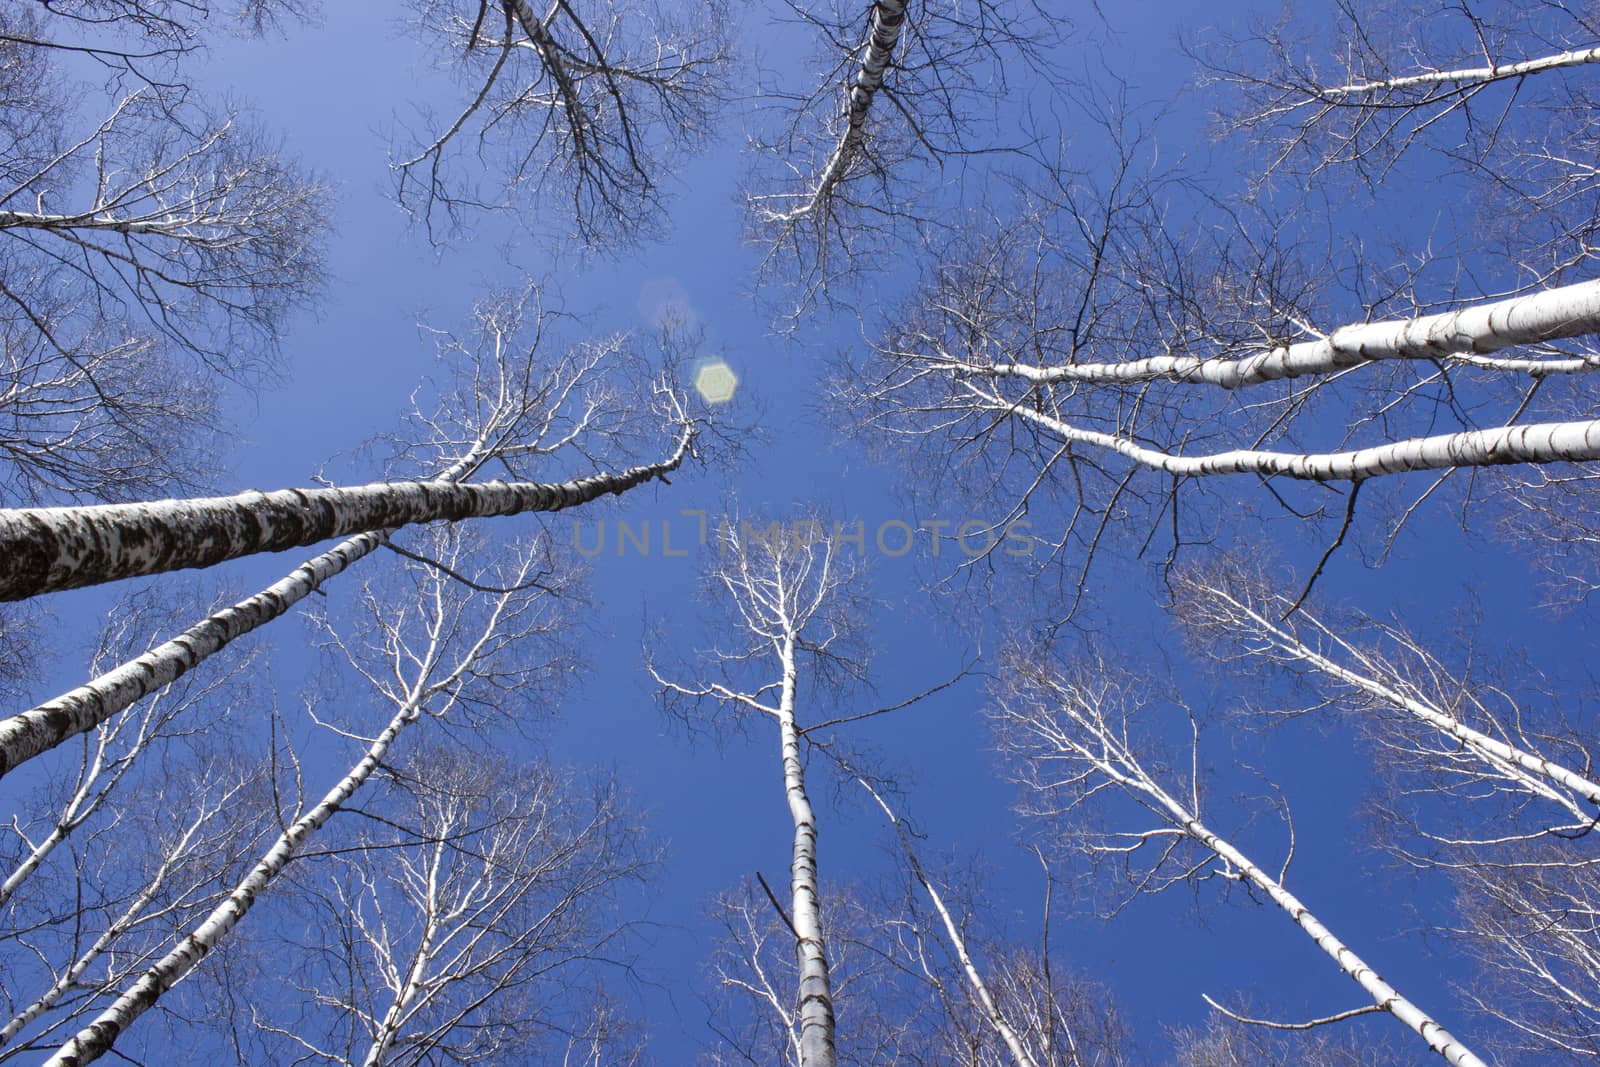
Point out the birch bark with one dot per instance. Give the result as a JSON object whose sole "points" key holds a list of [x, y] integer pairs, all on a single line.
{"points": [[788, 594], [1073, 734], [71, 976], [1554, 314], [1462, 76], [817, 1044], [888, 16], [29, 733], [1490, 749], [95, 1039], [1548, 442], [429, 681], [980, 989], [47, 549], [1383, 994]]}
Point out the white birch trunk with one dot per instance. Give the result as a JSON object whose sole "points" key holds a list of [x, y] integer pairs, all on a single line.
{"points": [[1383, 994], [411, 984], [95, 1039], [1546, 442], [68, 979], [778, 584], [550, 56], [435, 687], [817, 1042], [1568, 311], [1075, 728], [47, 549], [78, 807], [888, 17], [1491, 750], [27, 734], [1461, 76], [980, 989]]}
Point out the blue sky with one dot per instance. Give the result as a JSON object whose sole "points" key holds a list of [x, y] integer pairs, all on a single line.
{"points": [[718, 803], [333, 90]]}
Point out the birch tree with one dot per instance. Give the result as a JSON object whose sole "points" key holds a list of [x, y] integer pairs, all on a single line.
{"points": [[907, 91], [149, 246], [908, 998], [467, 920], [51, 549], [1498, 93], [752, 974], [913, 995], [1526, 916], [506, 400], [93, 914], [787, 593], [1110, 350], [1015, 1009], [587, 107], [1491, 789], [445, 649], [1082, 745], [114, 853], [175, 716], [1445, 733]]}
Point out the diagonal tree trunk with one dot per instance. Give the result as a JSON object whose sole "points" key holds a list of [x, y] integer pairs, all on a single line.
{"points": [[46, 549], [1457, 79], [1074, 733], [27, 734], [1554, 314], [888, 17], [1246, 618], [97, 1038], [958, 943], [430, 680], [789, 590], [1546, 442], [71, 976]]}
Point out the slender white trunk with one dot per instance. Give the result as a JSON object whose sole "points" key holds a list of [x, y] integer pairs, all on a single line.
{"points": [[1568, 311], [888, 18], [1461, 76], [1098, 744], [36, 855], [28, 733], [1383, 994], [161, 224], [69, 977], [816, 995], [1546, 442], [578, 123], [980, 989], [411, 984], [72, 815], [1491, 749], [46, 549], [95, 1039]]}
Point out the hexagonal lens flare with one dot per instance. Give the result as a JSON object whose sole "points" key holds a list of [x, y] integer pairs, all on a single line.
{"points": [[715, 381]]}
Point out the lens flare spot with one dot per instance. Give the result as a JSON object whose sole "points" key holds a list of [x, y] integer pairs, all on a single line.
{"points": [[715, 381]]}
